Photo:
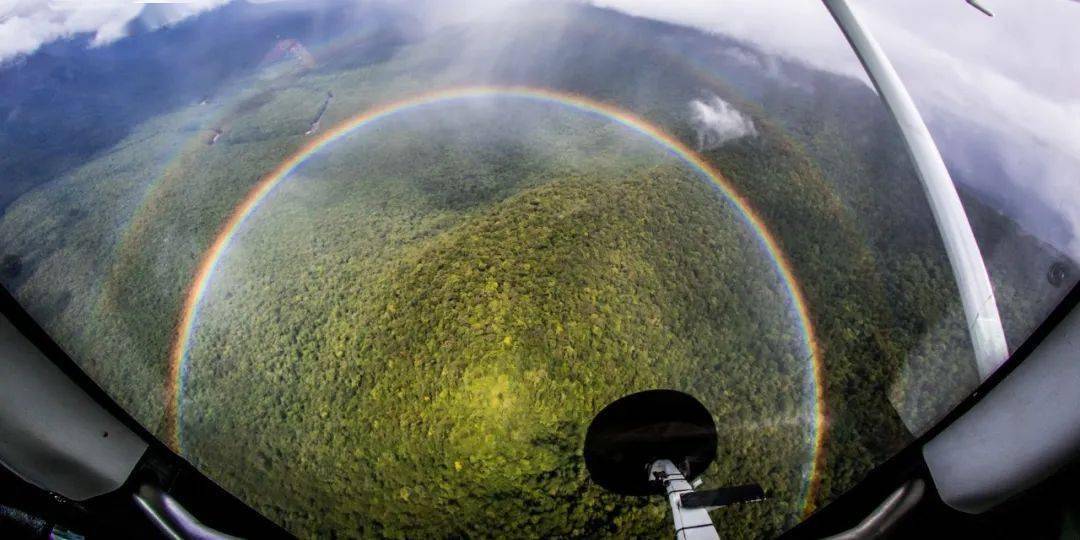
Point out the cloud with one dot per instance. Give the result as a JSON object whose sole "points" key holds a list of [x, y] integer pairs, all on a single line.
{"points": [[795, 29], [26, 25], [1008, 84], [717, 122], [1000, 87]]}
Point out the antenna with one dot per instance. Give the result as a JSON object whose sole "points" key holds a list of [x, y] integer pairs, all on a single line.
{"points": [[975, 4]]}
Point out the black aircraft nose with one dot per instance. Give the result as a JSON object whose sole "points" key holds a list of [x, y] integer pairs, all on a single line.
{"points": [[635, 431]]}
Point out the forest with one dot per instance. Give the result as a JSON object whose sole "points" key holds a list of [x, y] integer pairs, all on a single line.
{"points": [[409, 336]]}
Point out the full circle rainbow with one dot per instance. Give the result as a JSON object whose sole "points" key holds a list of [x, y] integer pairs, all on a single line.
{"points": [[213, 255]]}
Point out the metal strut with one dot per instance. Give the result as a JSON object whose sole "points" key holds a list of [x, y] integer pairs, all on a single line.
{"points": [[969, 269], [690, 523]]}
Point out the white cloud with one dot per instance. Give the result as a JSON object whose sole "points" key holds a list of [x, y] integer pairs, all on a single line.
{"points": [[26, 25], [798, 29], [1011, 79], [717, 122]]}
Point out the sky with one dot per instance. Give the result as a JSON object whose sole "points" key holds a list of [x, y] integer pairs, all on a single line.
{"points": [[998, 93]]}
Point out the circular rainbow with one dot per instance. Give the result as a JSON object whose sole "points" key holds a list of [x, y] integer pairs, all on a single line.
{"points": [[213, 255]]}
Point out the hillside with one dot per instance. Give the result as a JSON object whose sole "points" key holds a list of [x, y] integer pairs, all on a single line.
{"points": [[409, 335]]}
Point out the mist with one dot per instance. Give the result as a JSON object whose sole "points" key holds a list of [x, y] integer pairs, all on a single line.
{"points": [[984, 85], [411, 246], [1005, 114]]}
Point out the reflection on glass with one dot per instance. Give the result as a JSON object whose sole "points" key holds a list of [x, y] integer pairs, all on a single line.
{"points": [[375, 268]]}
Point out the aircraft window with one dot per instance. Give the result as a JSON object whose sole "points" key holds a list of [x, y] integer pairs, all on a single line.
{"points": [[374, 268]]}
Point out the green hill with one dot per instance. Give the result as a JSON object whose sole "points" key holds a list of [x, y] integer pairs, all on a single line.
{"points": [[410, 335]]}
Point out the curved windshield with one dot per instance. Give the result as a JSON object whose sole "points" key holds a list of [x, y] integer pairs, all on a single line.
{"points": [[374, 267]]}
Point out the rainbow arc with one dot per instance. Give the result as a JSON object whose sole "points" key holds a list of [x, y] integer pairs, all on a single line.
{"points": [[228, 231]]}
